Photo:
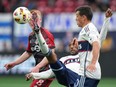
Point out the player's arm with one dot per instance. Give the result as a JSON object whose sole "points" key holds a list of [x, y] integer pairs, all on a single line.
{"points": [[42, 75], [96, 45], [95, 52], [43, 63], [22, 58], [73, 46], [94, 39], [19, 60], [105, 26]]}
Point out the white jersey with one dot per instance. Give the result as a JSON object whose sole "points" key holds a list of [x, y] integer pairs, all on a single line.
{"points": [[89, 33], [87, 36], [72, 62]]}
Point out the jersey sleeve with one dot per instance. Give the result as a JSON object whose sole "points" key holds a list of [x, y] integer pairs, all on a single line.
{"points": [[49, 39], [92, 35], [104, 29]]}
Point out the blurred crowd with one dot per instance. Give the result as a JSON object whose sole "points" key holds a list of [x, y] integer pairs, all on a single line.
{"points": [[54, 6], [57, 6]]}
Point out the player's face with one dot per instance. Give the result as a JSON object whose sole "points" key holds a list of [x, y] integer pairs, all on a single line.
{"points": [[79, 19], [73, 50], [35, 18], [73, 47]]}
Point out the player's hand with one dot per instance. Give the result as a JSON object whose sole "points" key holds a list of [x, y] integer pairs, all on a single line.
{"points": [[108, 13], [35, 69], [91, 67], [73, 46], [9, 66], [28, 76]]}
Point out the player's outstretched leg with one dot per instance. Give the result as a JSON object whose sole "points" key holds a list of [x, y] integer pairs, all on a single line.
{"points": [[51, 56], [64, 76]]}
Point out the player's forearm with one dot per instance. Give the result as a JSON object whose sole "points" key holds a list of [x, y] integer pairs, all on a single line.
{"points": [[104, 29], [43, 75], [95, 51], [43, 63], [22, 58]]}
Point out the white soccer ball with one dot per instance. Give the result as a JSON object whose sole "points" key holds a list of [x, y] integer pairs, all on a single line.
{"points": [[21, 15]]}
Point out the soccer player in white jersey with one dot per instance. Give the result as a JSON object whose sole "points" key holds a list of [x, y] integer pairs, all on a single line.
{"points": [[72, 61], [88, 49], [89, 46]]}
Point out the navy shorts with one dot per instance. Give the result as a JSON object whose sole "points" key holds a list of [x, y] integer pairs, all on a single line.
{"points": [[87, 82], [64, 75], [69, 78]]}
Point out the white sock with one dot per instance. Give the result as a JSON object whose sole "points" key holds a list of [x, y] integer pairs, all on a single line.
{"points": [[43, 75], [42, 43]]}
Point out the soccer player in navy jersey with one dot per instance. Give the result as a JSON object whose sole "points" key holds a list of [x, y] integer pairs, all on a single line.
{"points": [[33, 48], [88, 51]]}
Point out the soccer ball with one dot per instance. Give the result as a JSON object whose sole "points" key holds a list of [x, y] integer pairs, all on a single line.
{"points": [[21, 15]]}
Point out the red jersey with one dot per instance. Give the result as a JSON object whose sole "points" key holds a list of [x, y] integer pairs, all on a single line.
{"points": [[33, 45]]}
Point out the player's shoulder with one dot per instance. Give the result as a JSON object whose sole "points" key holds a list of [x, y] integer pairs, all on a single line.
{"points": [[90, 28]]}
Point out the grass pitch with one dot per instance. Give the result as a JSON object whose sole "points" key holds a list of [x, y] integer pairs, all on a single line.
{"points": [[19, 81]]}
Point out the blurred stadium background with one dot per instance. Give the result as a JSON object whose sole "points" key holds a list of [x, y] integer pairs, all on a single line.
{"points": [[59, 18]]}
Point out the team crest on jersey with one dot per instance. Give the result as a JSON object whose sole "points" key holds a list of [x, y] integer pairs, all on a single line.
{"points": [[86, 29], [36, 48], [34, 45]]}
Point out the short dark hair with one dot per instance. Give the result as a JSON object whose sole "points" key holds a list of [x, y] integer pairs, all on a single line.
{"points": [[85, 10]]}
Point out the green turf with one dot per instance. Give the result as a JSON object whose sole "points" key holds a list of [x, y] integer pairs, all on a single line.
{"points": [[19, 81]]}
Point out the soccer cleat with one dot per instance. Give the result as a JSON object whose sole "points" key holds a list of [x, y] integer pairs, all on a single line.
{"points": [[36, 28]]}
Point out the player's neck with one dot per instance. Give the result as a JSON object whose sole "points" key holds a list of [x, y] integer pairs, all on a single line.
{"points": [[85, 23]]}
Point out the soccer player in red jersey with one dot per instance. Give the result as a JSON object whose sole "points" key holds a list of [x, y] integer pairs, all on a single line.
{"points": [[34, 49]]}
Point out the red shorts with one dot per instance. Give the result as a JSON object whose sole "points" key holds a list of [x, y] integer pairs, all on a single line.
{"points": [[41, 83]]}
